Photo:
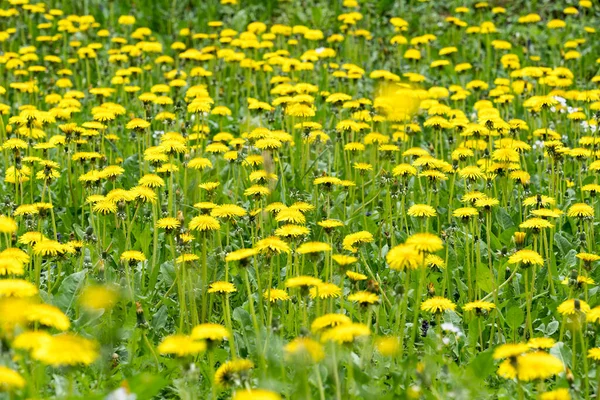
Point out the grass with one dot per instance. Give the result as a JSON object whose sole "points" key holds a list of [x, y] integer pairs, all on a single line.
{"points": [[278, 200]]}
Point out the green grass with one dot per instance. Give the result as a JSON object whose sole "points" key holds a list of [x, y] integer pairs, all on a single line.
{"points": [[127, 210]]}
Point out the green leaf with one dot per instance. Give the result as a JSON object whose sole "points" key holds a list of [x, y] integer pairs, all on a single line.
{"points": [[240, 20], [495, 244], [144, 238], [562, 243], [482, 365], [242, 317], [317, 15], [551, 328], [61, 385], [484, 279], [68, 288], [507, 235], [515, 317], [159, 319], [504, 219], [78, 231], [131, 164], [563, 353], [146, 385], [167, 273], [384, 250], [570, 259]]}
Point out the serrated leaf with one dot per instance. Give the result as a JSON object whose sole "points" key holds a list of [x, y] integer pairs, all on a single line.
{"points": [[65, 297]]}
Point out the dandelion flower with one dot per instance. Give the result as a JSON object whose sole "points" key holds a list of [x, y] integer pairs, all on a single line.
{"points": [[594, 354], [437, 305], [580, 210], [425, 242], [353, 239], [11, 266], [305, 349], [17, 288], [133, 256], [272, 245], [325, 290], [231, 371], [329, 320], [204, 223], [48, 315], [7, 224], [313, 247], [302, 282], [210, 332], [404, 256], [274, 295], [241, 254], [168, 223], [558, 394], [421, 211], [541, 343], [364, 298], [510, 350], [292, 231], [526, 257], [388, 346], [478, 306], [10, 380], [256, 394], [221, 287], [96, 297], [66, 349], [345, 333], [181, 346], [573, 307], [593, 315], [538, 365]]}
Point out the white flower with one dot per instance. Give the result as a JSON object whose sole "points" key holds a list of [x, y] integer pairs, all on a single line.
{"points": [[587, 127], [538, 145], [561, 100], [120, 394], [450, 327]]}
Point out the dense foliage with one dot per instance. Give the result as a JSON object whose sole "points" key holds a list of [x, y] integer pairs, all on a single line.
{"points": [[299, 200]]}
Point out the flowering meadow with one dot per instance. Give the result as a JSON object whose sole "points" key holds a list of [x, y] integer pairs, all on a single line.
{"points": [[306, 199]]}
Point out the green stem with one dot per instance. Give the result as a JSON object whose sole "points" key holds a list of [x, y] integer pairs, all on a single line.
{"points": [[420, 284]]}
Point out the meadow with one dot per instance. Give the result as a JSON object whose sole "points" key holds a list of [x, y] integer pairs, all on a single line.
{"points": [[305, 199]]}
